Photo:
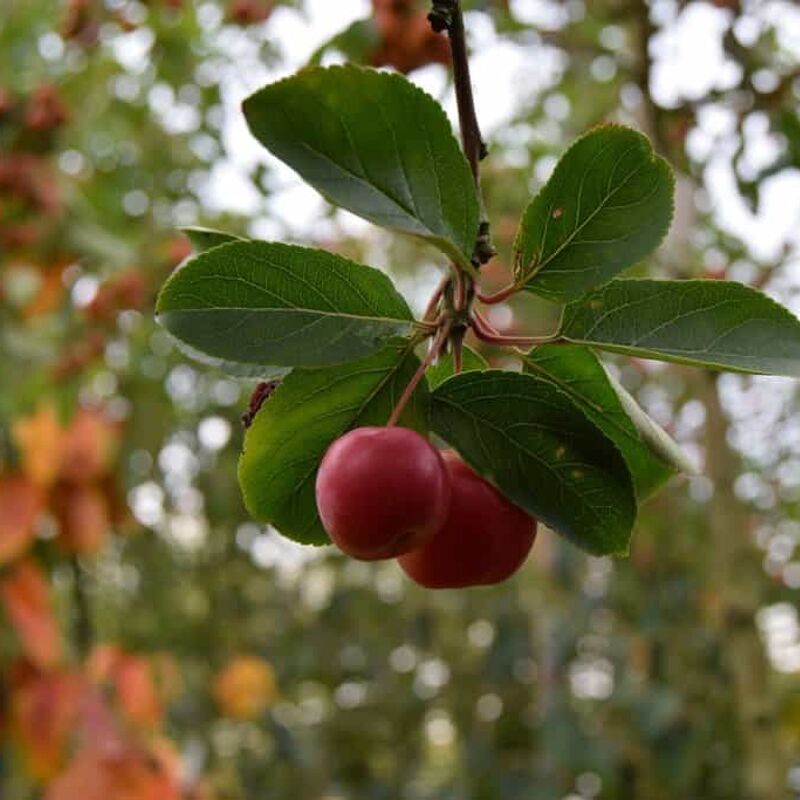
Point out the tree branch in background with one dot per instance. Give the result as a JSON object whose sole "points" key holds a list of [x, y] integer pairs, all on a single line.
{"points": [[83, 634]]}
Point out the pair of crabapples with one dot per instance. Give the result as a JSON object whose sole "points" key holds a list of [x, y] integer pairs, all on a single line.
{"points": [[387, 492]]}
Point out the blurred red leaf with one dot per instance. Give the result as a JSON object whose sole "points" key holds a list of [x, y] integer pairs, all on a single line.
{"points": [[45, 110], [20, 504], [83, 516], [137, 693], [89, 447], [83, 353], [81, 22], [114, 765], [250, 12], [407, 40], [30, 178], [129, 773], [133, 681], [25, 594], [127, 290], [178, 249], [44, 709]]}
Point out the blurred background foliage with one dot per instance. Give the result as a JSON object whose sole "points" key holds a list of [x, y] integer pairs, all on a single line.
{"points": [[154, 643]]}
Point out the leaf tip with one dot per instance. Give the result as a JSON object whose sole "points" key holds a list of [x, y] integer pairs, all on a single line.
{"points": [[623, 552]]}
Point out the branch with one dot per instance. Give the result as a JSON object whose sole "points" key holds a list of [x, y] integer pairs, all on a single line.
{"points": [[655, 114], [498, 297], [433, 303], [83, 616], [447, 15], [486, 333]]}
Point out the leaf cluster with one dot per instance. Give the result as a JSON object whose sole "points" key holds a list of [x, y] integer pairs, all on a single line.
{"points": [[559, 437]]}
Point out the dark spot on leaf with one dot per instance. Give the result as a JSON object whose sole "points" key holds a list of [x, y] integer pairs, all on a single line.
{"points": [[260, 394]]}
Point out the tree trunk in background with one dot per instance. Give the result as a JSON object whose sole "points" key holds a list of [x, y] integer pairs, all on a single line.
{"points": [[735, 575], [736, 581]]}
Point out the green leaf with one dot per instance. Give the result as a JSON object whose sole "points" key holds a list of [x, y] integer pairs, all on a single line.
{"points": [[203, 239], [528, 438], [577, 371], [653, 435], [607, 205], [715, 324], [443, 369], [302, 418], [279, 305], [375, 144], [355, 43], [234, 368]]}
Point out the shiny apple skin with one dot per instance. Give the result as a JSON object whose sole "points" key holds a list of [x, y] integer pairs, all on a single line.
{"points": [[381, 492], [484, 540]]}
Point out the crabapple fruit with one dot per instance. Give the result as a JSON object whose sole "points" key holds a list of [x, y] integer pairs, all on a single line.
{"points": [[381, 492], [484, 540]]}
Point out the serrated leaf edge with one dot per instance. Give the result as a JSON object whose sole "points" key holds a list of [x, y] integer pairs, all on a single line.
{"points": [[654, 157], [450, 248]]}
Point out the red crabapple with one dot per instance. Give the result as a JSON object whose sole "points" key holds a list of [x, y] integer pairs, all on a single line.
{"points": [[381, 492], [484, 540]]}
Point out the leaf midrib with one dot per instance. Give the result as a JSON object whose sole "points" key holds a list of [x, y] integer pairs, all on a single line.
{"points": [[364, 179], [308, 311], [568, 241], [679, 352]]}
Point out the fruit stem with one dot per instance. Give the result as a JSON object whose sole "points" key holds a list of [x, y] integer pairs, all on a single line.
{"points": [[459, 291], [433, 354], [486, 333], [433, 303], [457, 342], [497, 297]]}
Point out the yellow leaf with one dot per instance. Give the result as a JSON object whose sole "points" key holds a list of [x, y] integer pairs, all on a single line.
{"points": [[40, 439], [246, 687]]}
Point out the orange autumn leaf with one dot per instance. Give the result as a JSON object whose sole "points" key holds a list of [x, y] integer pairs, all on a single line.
{"points": [[126, 772], [102, 661], [136, 692], [246, 687], [44, 708], [407, 40], [88, 447], [50, 294], [20, 504], [84, 518], [177, 250], [113, 763], [132, 680], [126, 290], [40, 440], [25, 595]]}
